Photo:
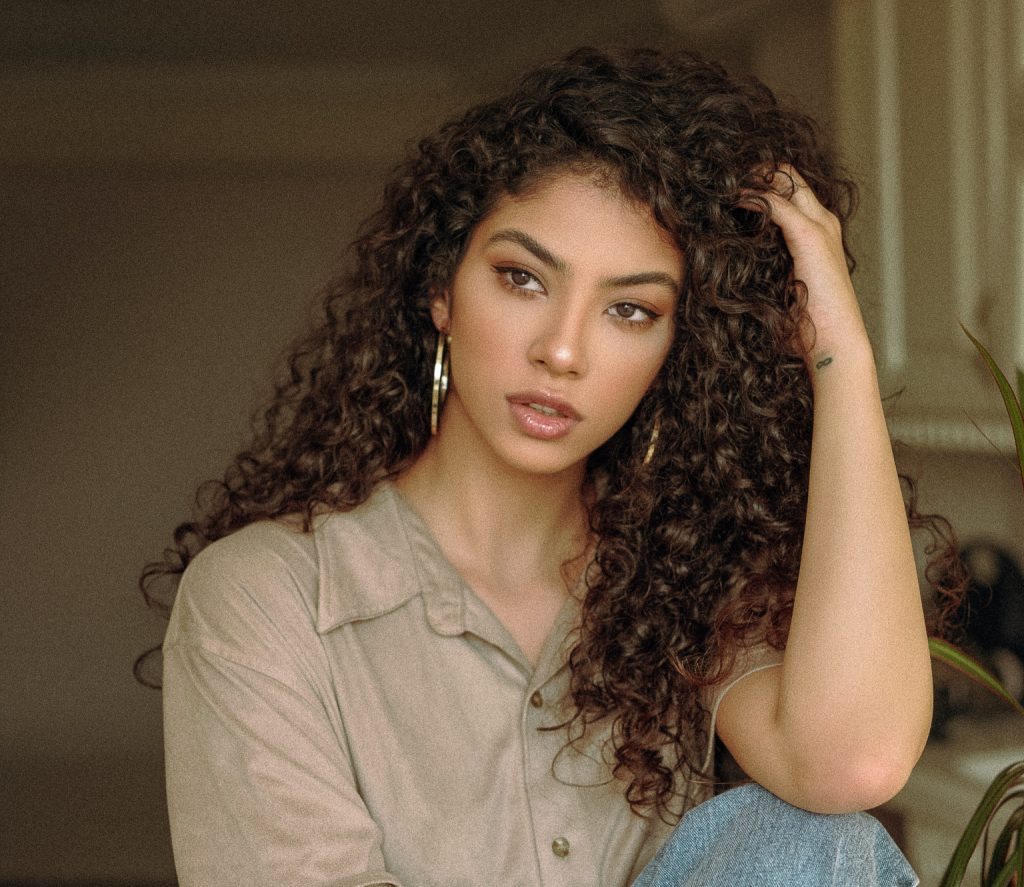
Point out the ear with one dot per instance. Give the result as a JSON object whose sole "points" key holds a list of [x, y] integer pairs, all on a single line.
{"points": [[440, 309]]}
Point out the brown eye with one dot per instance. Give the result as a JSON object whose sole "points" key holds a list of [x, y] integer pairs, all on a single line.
{"points": [[519, 280], [632, 314]]}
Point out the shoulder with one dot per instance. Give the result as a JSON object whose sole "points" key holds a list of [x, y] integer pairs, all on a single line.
{"points": [[266, 552], [256, 583], [273, 580]]}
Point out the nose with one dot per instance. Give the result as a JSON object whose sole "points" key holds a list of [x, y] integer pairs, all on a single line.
{"points": [[559, 345]]}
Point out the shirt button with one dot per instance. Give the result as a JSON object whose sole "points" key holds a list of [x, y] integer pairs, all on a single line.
{"points": [[560, 847], [536, 700]]}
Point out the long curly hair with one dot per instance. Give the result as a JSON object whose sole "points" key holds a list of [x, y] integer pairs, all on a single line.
{"points": [[697, 550]]}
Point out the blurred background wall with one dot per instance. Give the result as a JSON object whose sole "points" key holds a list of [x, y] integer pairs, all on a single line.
{"points": [[177, 180]]}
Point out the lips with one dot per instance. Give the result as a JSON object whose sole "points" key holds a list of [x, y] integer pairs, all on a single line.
{"points": [[542, 416], [544, 403]]}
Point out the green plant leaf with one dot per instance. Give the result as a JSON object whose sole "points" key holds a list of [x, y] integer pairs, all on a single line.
{"points": [[1013, 409], [1020, 858], [944, 651], [1006, 849], [1020, 385], [1007, 780], [1004, 876]]}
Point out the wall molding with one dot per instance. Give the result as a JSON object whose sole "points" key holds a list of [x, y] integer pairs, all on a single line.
{"points": [[890, 184], [953, 435]]}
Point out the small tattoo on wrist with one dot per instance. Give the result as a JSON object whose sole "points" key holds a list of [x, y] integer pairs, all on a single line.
{"points": [[824, 362]]}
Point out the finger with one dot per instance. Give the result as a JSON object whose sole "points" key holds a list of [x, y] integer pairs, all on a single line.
{"points": [[783, 211], [798, 228], [782, 181], [788, 183], [776, 205]]}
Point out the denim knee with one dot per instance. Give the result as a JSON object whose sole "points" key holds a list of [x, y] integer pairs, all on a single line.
{"points": [[747, 836]]}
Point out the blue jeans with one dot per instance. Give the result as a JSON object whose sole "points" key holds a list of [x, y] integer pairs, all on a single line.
{"points": [[747, 837]]}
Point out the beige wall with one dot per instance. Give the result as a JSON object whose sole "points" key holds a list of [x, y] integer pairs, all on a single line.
{"points": [[142, 315]]}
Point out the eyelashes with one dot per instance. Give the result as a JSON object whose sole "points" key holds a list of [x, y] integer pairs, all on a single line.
{"points": [[519, 279], [633, 314], [627, 313]]}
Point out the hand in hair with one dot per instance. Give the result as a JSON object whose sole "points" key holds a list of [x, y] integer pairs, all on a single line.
{"points": [[814, 238]]}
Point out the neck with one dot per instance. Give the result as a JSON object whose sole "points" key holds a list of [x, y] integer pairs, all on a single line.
{"points": [[506, 529]]}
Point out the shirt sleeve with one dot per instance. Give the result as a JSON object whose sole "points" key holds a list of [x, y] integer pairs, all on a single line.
{"points": [[748, 661], [260, 787]]}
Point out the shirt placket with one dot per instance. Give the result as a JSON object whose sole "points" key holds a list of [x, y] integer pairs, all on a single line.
{"points": [[563, 853]]}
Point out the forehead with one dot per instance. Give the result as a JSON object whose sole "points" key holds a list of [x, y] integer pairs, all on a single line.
{"points": [[585, 216]]}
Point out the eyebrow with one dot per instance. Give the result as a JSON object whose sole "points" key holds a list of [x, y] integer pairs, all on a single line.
{"points": [[660, 278], [641, 278], [514, 235]]}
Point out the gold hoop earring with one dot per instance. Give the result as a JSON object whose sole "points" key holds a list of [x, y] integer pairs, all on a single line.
{"points": [[440, 387], [652, 446]]}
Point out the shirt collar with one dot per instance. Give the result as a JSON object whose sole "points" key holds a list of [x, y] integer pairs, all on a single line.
{"points": [[375, 558]]}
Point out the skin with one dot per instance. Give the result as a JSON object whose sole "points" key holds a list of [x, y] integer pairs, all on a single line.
{"points": [[568, 290], [840, 724]]}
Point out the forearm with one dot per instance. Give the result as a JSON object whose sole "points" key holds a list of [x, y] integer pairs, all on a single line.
{"points": [[839, 726], [855, 688]]}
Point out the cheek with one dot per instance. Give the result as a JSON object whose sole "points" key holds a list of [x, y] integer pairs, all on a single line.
{"points": [[486, 334], [478, 331], [624, 383], [637, 365], [481, 355]]}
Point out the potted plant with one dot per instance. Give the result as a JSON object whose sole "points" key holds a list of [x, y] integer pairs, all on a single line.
{"points": [[1002, 861]]}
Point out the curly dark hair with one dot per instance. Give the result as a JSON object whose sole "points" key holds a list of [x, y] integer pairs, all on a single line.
{"points": [[697, 552]]}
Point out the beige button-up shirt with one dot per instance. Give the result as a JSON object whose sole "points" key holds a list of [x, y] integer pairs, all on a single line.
{"points": [[341, 709]]}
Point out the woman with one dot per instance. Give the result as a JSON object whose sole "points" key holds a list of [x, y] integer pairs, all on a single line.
{"points": [[541, 508]]}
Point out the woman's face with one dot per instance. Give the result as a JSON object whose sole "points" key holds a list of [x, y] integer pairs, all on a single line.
{"points": [[560, 313]]}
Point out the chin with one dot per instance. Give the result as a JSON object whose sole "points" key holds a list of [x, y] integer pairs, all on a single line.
{"points": [[545, 460]]}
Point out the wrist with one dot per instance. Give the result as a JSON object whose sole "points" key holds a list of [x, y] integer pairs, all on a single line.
{"points": [[841, 357]]}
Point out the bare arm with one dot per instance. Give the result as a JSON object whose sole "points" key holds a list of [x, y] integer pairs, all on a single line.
{"points": [[840, 725]]}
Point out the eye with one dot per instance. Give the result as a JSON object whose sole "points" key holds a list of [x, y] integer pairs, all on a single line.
{"points": [[632, 314], [519, 279]]}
